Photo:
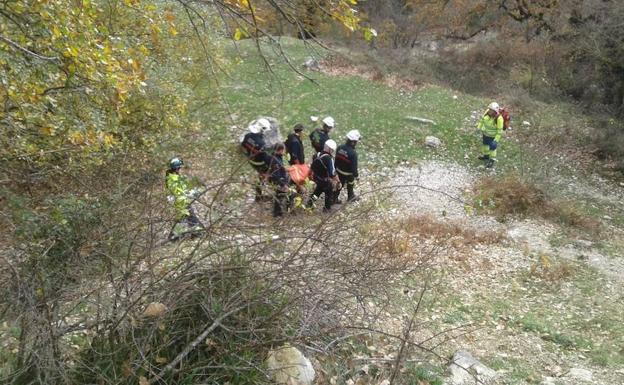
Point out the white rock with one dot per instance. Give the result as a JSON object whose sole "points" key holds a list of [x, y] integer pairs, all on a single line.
{"points": [[517, 234], [525, 123], [578, 374], [288, 366], [433, 142], [154, 310], [272, 136], [584, 243], [548, 381], [311, 64], [465, 370]]}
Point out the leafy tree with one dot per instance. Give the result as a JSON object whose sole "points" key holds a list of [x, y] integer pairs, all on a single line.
{"points": [[73, 75]]}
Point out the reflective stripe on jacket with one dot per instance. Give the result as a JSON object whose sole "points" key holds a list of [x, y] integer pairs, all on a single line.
{"points": [[347, 160], [491, 127]]}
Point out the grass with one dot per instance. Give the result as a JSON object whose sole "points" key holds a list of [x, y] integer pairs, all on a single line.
{"points": [[419, 375], [250, 90], [379, 112]]}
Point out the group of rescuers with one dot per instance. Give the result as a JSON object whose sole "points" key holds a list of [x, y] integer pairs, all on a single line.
{"points": [[333, 167]]}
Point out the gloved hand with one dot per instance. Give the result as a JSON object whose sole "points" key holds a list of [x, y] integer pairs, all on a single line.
{"points": [[497, 138]]}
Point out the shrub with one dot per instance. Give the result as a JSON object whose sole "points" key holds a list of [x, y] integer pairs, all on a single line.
{"points": [[610, 142], [513, 195], [510, 195]]}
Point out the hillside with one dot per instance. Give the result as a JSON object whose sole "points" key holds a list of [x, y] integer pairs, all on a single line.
{"points": [[521, 265], [534, 297]]}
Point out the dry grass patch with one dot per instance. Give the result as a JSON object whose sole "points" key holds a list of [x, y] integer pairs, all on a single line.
{"points": [[339, 65], [551, 271], [511, 195], [410, 236], [427, 226]]}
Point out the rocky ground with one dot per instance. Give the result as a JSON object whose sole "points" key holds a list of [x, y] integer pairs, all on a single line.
{"points": [[512, 273]]}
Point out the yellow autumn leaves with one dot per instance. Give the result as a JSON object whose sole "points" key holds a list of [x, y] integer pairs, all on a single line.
{"points": [[75, 73]]}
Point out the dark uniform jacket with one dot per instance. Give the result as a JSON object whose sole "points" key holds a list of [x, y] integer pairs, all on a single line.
{"points": [[323, 167], [347, 160], [318, 138], [277, 173], [254, 148], [294, 146]]}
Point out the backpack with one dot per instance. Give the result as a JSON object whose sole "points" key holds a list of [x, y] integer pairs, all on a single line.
{"points": [[315, 137], [504, 112], [318, 167]]}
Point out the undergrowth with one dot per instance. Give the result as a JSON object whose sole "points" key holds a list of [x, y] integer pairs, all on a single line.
{"points": [[513, 195]]}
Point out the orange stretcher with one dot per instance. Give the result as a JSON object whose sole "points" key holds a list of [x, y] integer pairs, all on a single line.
{"points": [[299, 173]]}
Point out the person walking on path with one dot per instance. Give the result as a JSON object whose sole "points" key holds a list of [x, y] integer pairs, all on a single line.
{"points": [[279, 179], [294, 146], [491, 126], [319, 136], [324, 176], [347, 165], [254, 146], [182, 193]]}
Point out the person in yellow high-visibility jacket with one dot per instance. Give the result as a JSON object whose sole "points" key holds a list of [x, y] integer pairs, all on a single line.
{"points": [[491, 126], [181, 194]]}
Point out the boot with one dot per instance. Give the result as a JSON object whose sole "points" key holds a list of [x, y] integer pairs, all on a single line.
{"points": [[337, 199], [310, 202]]}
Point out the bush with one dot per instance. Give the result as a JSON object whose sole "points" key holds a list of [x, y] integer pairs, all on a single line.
{"points": [[610, 142], [512, 195], [509, 195]]}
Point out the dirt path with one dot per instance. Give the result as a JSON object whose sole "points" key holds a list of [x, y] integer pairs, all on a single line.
{"points": [[442, 190]]}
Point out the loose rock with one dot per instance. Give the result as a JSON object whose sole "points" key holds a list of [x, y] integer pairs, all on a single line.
{"points": [[288, 365], [584, 243], [433, 142], [311, 64], [155, 310], [579, 374], [465, 369]]}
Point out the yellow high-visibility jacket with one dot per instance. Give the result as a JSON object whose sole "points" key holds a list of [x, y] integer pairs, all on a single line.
{"points": [[492, 127], [178, 186]]}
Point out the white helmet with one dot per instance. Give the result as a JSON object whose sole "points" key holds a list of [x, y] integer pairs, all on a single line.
{"points": [[494, 106], [330, 144], [329, 122], [254, 128], [264, 124], [354, 135]]}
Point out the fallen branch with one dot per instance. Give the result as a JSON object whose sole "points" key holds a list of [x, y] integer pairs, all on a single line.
{"points": [[422, 120], [215, 324]]}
